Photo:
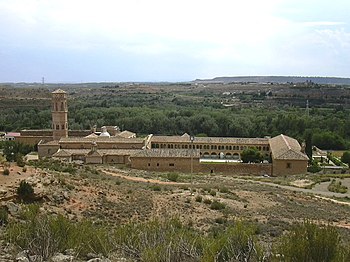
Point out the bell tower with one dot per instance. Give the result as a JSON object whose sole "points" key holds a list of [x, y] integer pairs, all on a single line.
{"points": [[59, 114]]}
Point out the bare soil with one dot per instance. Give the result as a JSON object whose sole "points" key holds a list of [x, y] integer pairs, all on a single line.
{"points": [[117, 196]]}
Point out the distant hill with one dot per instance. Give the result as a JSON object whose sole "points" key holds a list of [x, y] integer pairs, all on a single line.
{"points": [[277, 79]]}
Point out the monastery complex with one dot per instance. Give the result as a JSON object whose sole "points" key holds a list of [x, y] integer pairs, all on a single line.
{"points": [[109, 145]]}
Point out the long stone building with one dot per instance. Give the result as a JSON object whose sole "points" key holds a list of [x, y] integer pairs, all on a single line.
{"points": [[185, 153]]}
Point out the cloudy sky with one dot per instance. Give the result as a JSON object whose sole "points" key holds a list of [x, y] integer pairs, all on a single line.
{"points": [[167, 40]]}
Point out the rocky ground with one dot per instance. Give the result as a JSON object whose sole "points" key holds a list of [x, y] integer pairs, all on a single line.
{"points": [[116, 196]]}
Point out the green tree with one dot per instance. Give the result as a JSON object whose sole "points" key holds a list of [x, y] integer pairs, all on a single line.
{"points": [[308, 144], [346, 157], [19, 160], [251, 154], [25, 191]]}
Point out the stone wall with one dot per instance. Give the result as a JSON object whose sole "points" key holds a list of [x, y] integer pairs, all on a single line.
{"points": [[47, 150], [175, 164], [184, 165], [236, 168], [32, 140], [289, 167]]}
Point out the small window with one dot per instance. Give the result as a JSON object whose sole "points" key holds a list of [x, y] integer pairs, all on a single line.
{"points": [[157, 164], [149, 164], [289, 165], [171, 164]]}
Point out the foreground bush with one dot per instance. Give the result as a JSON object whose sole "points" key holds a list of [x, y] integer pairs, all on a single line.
{"points": [[158, 241], [45, 235], [152, 241], [308, 242]]}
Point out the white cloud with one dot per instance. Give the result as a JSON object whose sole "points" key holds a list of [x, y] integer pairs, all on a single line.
{"points": [[217, 35]]}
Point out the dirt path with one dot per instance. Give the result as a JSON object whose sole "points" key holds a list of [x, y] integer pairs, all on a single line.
{"points": [[143, 180], [320, 194], [298, 189]]}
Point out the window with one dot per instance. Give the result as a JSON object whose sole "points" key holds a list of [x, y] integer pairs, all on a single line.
{"points": [[289, 165], [57, 127], [171, 164], [149, 164], [157, 164]]}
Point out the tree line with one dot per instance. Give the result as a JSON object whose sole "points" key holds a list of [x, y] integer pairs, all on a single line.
{"points": [[329, 127]]}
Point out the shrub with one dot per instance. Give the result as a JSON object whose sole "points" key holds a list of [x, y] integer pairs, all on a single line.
{"points": [[24, 169], [224, 190], [235, 243], [337, 187], [46, 235], [216, 205], [156, 188], [220, 220], [198, 198], [25, 191], [19, 160], [314, 167], [173, 177], [3, 216], [6, 172], [310, 242], [207, 201], [212, 192]]}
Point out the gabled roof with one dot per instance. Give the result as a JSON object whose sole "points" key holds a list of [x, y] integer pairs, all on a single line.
{"points": [[59, 91], [127, 134], [218, 140], [12, 134], [99, 139], [287, 148], [62, 153], [92, 135], [178, 153], [94, 153]]}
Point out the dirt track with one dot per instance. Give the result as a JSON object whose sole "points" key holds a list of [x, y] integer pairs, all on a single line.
{"points": [[143, 180]]}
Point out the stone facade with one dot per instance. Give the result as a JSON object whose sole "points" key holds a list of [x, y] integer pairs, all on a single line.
{"points": [[289, 167], [166, 153], [212, 147], [287, 156], [59, 114], [180, 160]]}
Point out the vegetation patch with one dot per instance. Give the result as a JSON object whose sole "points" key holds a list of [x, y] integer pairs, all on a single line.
{"points": [[337, 187], [216, 205], [174, 177]]}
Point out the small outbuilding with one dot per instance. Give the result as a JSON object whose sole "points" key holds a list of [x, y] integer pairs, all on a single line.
{"points": [[287, 156]]}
